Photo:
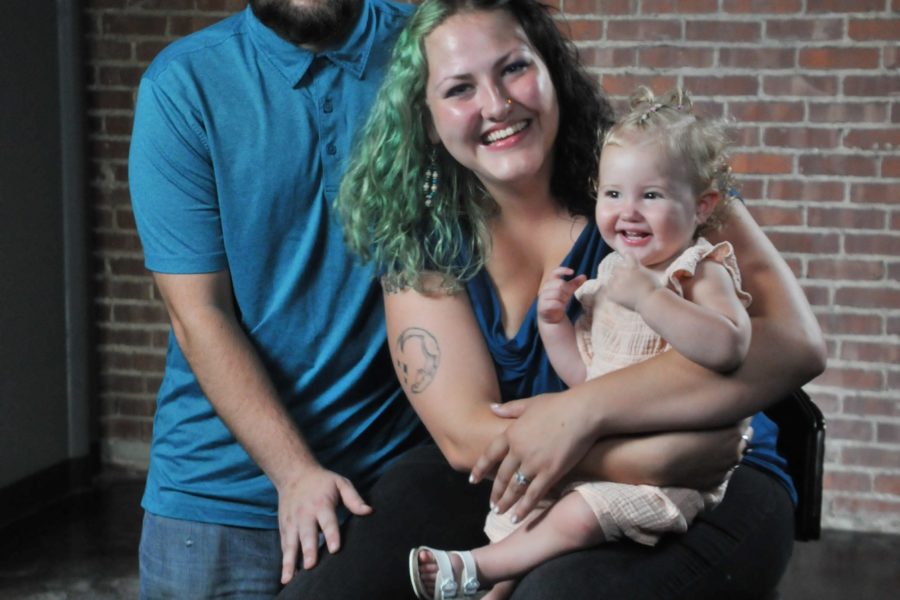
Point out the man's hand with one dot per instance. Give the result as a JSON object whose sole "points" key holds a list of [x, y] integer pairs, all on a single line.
{"points": [[306, 506]]}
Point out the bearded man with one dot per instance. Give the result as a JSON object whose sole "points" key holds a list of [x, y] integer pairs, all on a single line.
{"points": [[278, 406]]}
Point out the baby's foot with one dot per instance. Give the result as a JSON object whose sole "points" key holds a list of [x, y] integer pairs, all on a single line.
{"points": [[428, 569]]}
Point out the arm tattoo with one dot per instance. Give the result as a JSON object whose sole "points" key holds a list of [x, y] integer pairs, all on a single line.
{"points": [[418, 357]]}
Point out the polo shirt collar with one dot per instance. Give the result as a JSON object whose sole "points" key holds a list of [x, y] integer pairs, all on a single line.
{"points": [[293, 62]]}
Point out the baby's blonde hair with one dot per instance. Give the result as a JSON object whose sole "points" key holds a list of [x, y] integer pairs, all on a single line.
{"points": [[702, 144]]}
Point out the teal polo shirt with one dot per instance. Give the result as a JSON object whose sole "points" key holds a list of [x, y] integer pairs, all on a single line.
{"points": [[240, 140]]}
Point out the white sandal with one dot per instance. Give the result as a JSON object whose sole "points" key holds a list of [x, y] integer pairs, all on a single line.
{"points": [[446, 585]]}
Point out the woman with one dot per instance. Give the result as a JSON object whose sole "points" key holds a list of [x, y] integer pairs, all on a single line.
{"points": [[486, 106]]}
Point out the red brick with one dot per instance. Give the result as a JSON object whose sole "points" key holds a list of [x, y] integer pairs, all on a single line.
{"points": [[890, 166], [127, 266], [871, 456], [845, 164], [851, 378], [129, 289], [728, 85], [847, 481], [839, 58], [857, 507], [722, 31], [816, 295], [816, 191], [767, 111], [624, 85], [168, 5], [801, 137], [680, 7], [850, 429], [887, 484], [894, 268], [757, 7], [132, 407], [854, 270], [757, 58], [131, 24], [872, 406], [140, 313], [888, 433], [801, 84], [879, 86], [107, 99], [100, 49], [745, 136], [605, 57], [875, 193], [805, 30], [584, 30], [600, 7], [110, 335], [146, 50], [871, 352], [843, 6], [805, 242], [876, 244], [828, 403], [891, 57], [231, 6], [845, 112], [181, 26], [769, 216], [873, 139], [868, 30], [761, 163], [647, 29], [867, 297], [127, 384], [676, 57], [847, 218]]}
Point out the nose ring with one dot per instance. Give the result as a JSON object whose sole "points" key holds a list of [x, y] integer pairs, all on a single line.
{"points": [[509, 101]]}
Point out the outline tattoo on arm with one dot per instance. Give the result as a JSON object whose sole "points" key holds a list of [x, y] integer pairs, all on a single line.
{"points": [[418, 358]]}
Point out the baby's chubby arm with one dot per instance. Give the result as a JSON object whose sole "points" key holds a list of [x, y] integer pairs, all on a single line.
{"points": [[557, 332], [709, 325]]}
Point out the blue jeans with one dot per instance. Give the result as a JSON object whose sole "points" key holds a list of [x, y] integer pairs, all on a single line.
{"points": [[187, 559]]}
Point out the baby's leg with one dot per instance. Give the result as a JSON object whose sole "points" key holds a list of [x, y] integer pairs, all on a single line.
{"points": [[568, 525]]}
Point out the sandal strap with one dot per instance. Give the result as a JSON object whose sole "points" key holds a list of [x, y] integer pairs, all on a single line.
{"points": [[446, 582], [469, 575]]}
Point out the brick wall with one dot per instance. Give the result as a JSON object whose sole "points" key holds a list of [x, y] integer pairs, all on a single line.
{"points": [[814, 88]]}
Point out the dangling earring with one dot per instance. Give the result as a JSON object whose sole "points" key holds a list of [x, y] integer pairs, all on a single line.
{"points": [[431, 178]]}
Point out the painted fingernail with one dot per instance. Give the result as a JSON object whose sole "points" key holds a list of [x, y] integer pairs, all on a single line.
{"points": [[471, 478], [514, 519]]}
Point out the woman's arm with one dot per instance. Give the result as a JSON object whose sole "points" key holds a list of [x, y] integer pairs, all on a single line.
{"points": [[445, 368], [669, 392]]}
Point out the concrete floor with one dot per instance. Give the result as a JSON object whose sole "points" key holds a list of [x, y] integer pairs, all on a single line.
{"points": [[85, 548]]}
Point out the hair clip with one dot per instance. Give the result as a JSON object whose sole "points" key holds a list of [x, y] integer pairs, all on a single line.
{"points": [[655, 107]]}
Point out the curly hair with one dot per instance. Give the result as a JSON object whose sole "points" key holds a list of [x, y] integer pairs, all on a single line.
{"points": [[381, 200], [701, 144]]}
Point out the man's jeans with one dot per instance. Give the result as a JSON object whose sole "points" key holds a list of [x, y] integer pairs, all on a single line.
{"points": [[187, 559]]}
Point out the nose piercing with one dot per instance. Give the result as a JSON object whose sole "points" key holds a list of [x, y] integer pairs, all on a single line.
{"points": [[509, 101]]}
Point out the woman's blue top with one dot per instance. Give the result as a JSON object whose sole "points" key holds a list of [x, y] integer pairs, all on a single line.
{"points": [[524, 370]]}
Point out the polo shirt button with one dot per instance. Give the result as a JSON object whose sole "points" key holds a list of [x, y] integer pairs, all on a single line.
{"points": [[327, 107], [331, 149]]}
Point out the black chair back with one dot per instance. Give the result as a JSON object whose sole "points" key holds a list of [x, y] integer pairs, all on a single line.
{"points": [[801, 441]]}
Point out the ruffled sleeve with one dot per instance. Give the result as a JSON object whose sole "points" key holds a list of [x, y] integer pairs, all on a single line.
{"points": [[685, 266]]}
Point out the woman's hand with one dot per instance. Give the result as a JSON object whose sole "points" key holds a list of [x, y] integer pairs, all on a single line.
{"points": [[547, 438]]}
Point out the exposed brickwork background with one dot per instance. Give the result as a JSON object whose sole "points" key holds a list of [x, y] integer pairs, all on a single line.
{"points": [[814, 88]]}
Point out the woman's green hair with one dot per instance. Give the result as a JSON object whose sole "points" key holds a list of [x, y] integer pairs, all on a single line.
{"points": [[381, 200]]}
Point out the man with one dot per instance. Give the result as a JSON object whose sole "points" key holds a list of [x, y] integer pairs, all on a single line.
{"points": [[278, 402]]}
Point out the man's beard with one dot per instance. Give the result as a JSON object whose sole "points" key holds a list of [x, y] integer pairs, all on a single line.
{"points": [[320, 25]]}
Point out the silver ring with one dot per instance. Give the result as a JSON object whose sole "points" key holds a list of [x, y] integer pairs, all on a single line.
{"points": [[521, 479]]}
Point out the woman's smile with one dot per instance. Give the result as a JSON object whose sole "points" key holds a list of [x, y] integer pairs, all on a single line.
{"points": [[491, 99]]}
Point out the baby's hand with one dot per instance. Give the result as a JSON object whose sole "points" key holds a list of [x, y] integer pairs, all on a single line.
{"points": [[556, 293], [630, 283]]}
